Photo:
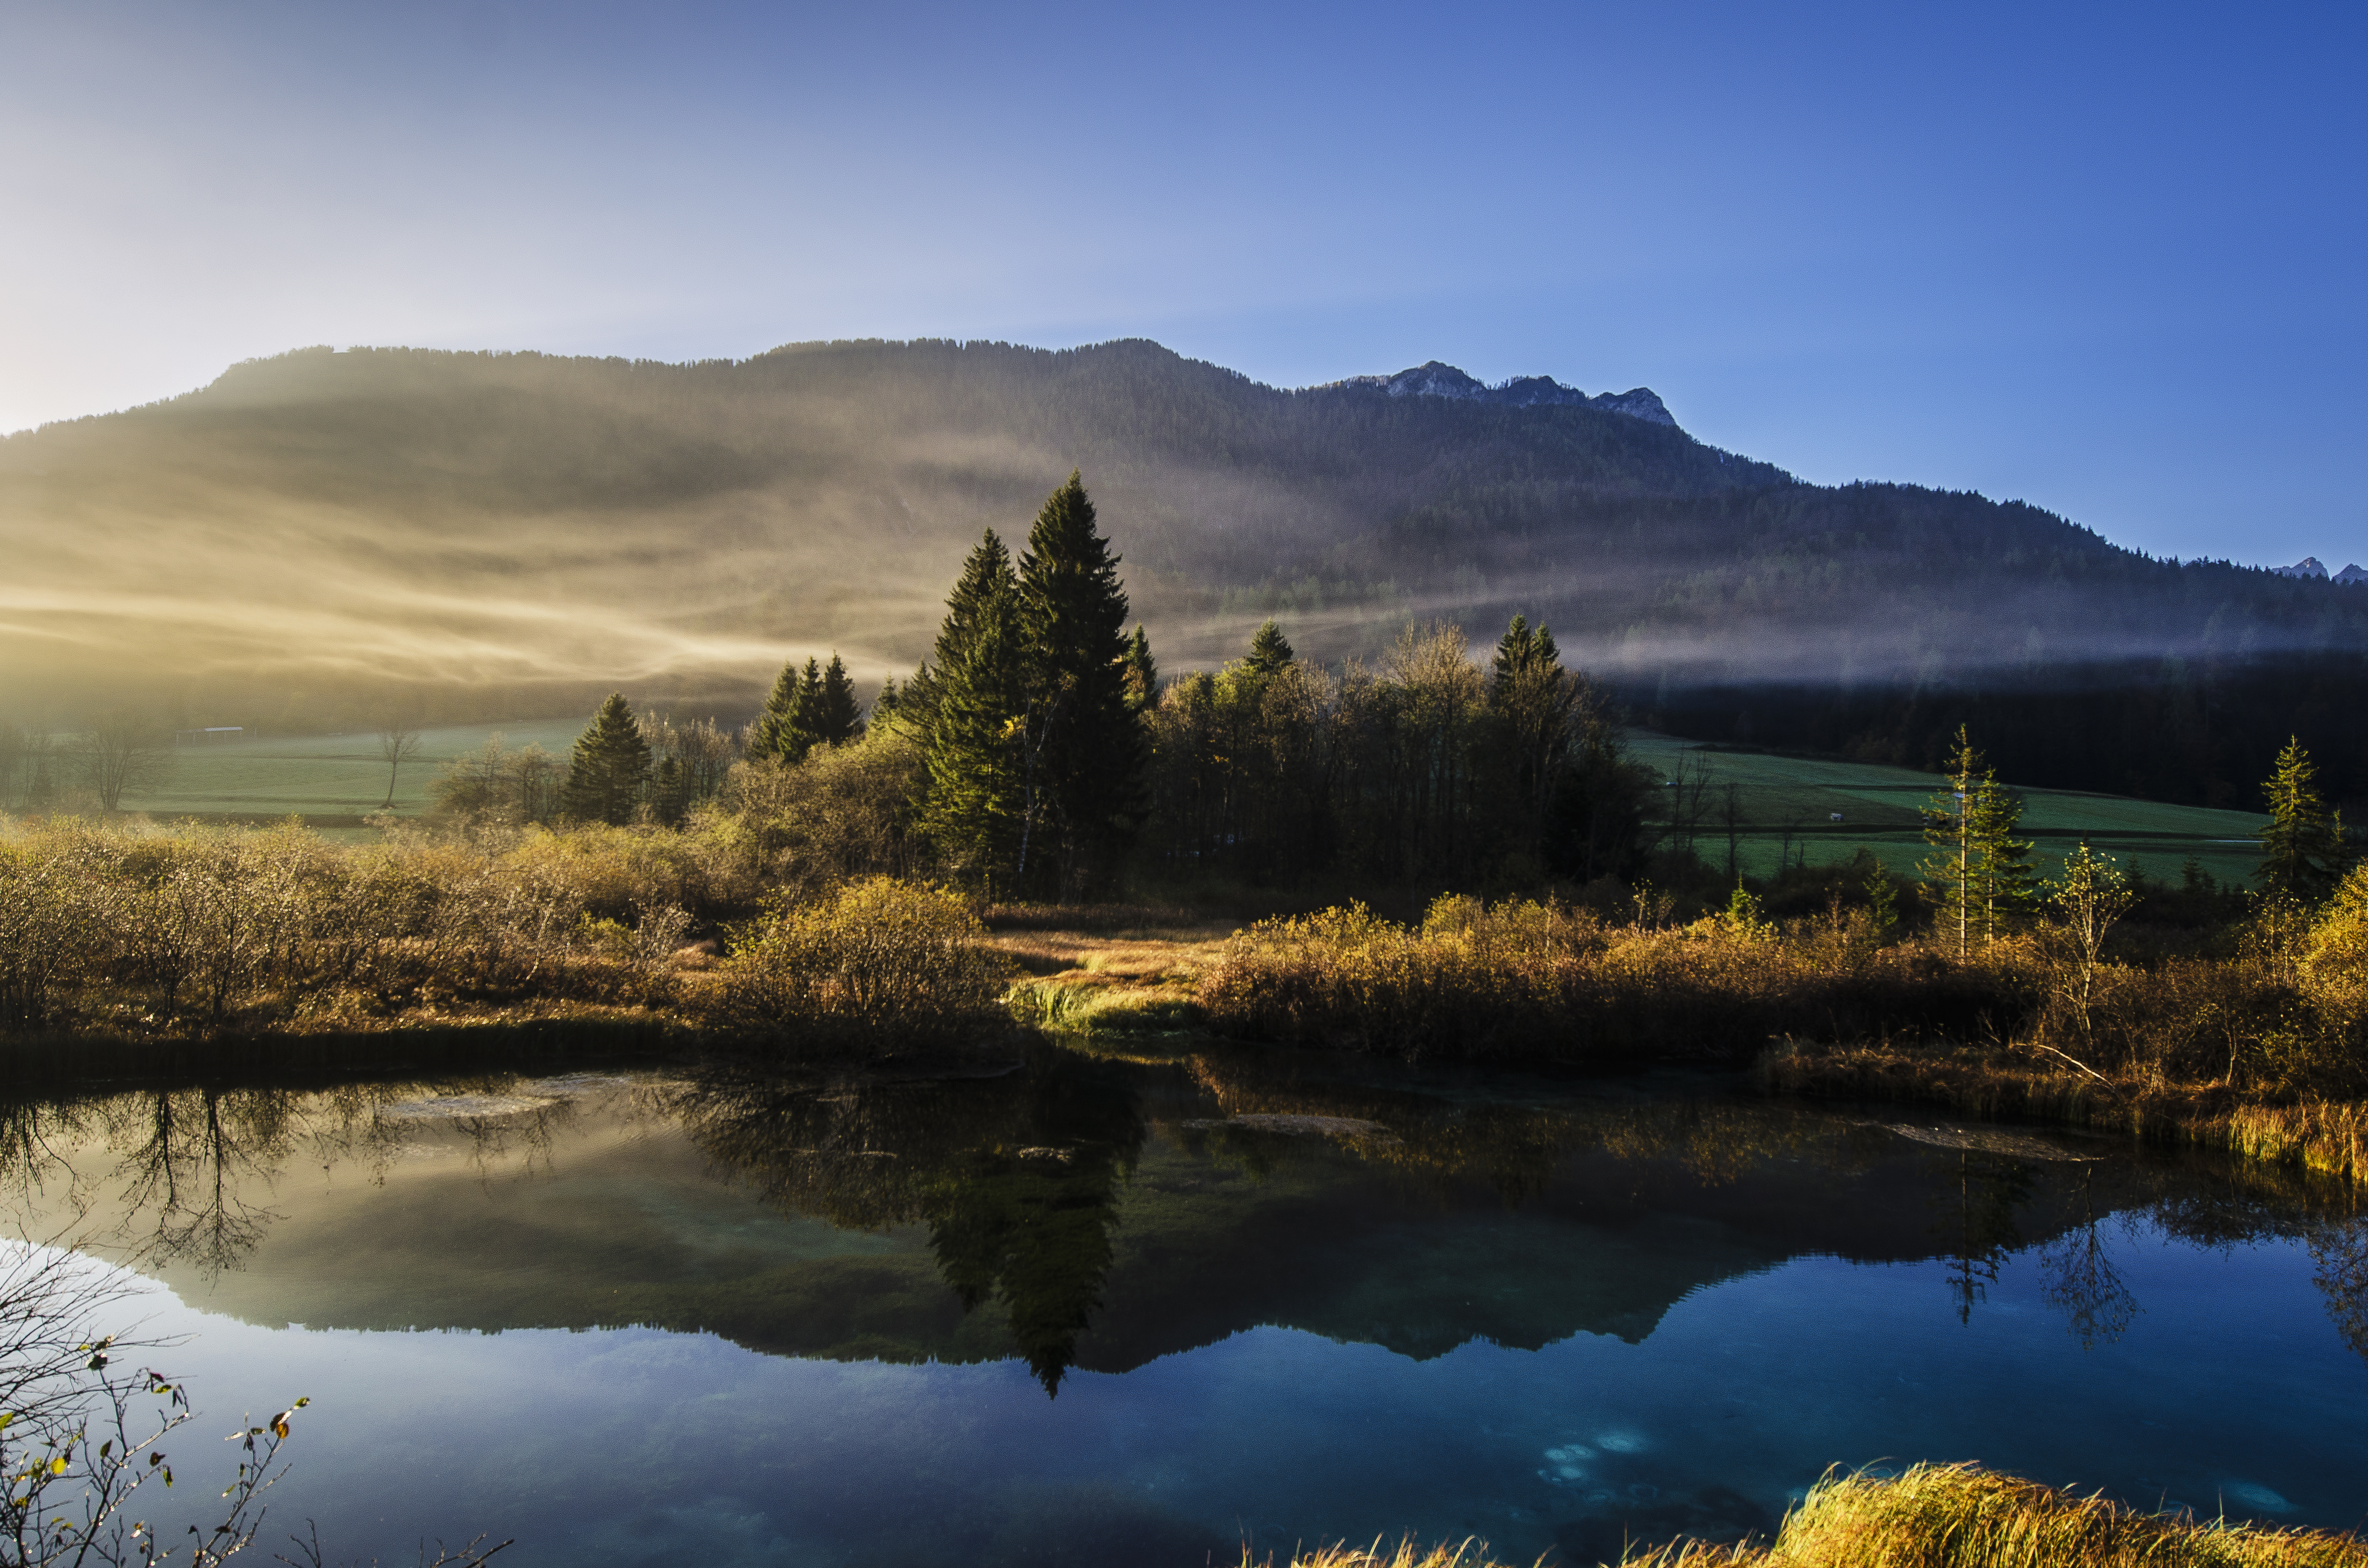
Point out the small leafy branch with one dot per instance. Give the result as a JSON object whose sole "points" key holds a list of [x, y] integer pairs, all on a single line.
{"points": [[79, 1443]]}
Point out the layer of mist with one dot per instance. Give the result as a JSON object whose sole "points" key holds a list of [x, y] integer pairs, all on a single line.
{"points": [[501, 534]]}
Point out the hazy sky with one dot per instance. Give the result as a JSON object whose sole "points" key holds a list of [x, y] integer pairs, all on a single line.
{"points": [[2108, 262]]}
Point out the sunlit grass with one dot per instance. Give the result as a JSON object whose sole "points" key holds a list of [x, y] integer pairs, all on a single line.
{"points": [[1940, 1515]]}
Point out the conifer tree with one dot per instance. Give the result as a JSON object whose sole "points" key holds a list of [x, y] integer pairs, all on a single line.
{"points": [[1983, 875], [840, 718], [2303, 850], [1270, 651], [1082, 753], [1951, 871], [1531, 698], [2008, 883], [804, 731], [975, 808], [669, 792], [608, 768], [770, 734], [986, 574], [884, 707], [1142, 673]]}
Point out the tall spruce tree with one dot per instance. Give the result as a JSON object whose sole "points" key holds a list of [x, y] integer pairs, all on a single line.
{"points": [[840, 717], [1082, 750], [1952, 871], [986, 574], [1982, 873], [2008, 883], [610, 766], [1531, 697], [1142, 673], [1270, 651], [2303, 854], [975, 807], [772, 734]]}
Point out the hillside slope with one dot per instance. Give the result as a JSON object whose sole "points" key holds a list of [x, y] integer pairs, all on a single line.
{"points": [[524, 528]]}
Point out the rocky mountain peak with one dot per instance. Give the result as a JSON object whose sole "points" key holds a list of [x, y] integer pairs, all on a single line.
{"points": [[2308, 566], [1437, 380]]}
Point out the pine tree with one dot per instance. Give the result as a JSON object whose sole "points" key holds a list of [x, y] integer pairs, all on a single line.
{"points": [[841, 716], [986, 574], [1142, 673], [770, 734], [2007, 882], [973, 811], [1951, 871], [1082, 751], [669, 792], [884, 707], [1270, 651], [2303, 850], [1531, 698], [1982, 874], [610, 764]]}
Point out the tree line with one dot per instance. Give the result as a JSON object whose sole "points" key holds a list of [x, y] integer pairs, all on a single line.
{"points": [[1036, 752]]}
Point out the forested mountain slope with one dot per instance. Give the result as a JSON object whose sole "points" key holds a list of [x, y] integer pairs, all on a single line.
{"points": [[514, 530]]}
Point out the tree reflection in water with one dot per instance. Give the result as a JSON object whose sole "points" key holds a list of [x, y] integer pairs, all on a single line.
{"points": [[193, 1168], [1017, 1178], [2078, 1278]]}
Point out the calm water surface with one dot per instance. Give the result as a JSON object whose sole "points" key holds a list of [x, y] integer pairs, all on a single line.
{"points": [[1106, 1309]]}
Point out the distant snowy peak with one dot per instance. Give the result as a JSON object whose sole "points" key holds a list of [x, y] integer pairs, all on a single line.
{"points": [[2353, 573], [2308, 566], [1436, 380]]}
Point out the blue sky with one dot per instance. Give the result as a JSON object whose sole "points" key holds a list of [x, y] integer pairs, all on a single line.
{"points": [[2108, 260]]}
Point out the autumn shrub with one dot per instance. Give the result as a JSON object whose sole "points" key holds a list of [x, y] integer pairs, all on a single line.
{"points": [[216, 928], [844, 813], [875, 966]]}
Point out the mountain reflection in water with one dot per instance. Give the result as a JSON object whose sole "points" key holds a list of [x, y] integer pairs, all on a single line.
{"points": [[1089, 1212]]}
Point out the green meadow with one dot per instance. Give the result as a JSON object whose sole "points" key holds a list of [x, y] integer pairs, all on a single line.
{"points": [[1878, 806], [331, 781]]}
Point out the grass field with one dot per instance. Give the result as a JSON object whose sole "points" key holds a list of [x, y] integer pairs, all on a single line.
{"points": [[333, 781], [1878, 808]]}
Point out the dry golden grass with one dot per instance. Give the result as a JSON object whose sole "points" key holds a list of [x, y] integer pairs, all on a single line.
{"points": [[1962, 1516], [1113, 977], [1954, 1515], [1404, 1554]]}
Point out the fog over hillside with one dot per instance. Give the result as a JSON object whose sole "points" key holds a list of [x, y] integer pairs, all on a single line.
{"points": [[505, 533]]}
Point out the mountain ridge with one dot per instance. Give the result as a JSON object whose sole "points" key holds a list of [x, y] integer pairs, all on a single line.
{"points": [[317, 527], [1435, 379]]}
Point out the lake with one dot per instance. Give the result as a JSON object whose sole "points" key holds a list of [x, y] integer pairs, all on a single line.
{"points": [[1150, 1307]]}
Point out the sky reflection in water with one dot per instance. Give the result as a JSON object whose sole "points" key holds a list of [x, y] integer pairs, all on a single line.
{"points": [[1542, 1316]]}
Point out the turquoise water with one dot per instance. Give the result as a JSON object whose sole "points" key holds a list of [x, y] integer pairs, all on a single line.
{"points": [[1102, 1310]]}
